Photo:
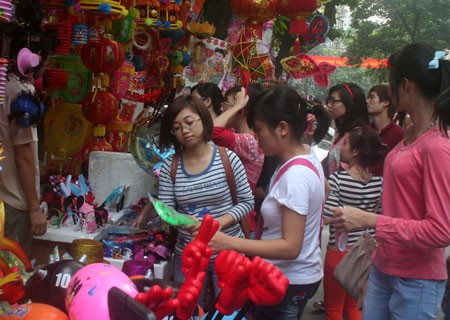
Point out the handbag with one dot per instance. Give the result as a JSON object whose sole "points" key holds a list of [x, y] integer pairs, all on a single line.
{"points": [[352, 272]]}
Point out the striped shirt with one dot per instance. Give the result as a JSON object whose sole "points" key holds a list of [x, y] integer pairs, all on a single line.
{"points": [[346, 191], [206, 192]]}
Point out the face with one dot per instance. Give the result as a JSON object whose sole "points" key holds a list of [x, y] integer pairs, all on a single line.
{"points": [[335, 106], [188, 128], [374, 105], [346, 151], [229, 102], [267, 139]]}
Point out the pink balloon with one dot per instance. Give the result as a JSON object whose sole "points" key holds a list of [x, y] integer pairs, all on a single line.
{"points": [[87, 293]]}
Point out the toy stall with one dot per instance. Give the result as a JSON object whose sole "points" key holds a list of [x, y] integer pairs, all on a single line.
{"points": [[116, 67]]}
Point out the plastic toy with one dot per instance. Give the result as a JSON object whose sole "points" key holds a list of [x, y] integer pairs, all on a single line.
{"points": [[194, 261], [87, 293], [11, 284], [49, 283], [34, 311], [169, 215]]}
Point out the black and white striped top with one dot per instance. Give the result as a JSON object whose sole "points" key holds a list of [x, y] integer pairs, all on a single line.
{"points": [[206, 192], [346, 191]]}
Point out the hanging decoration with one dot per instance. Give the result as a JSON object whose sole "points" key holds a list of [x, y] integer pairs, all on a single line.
{"points": [[302, 66], [317, 30], [255, 13], [103, 56], [298, 12]]}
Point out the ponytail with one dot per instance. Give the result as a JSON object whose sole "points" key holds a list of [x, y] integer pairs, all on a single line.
{"points": [[443, 110], [322, 122]]}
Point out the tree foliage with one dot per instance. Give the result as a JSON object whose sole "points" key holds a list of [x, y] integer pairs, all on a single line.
{"points": [[381, 27]]}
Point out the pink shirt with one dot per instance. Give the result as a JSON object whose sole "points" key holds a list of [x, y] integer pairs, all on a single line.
{"points": [[246, 147], [414, 227]]}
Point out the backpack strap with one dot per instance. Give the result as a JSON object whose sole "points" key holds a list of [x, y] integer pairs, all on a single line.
{"points": [[229, 173], [296, 161], [226, 165], [174, 167]]}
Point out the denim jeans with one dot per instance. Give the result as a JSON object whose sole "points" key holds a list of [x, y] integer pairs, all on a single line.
{"points": [[388, 297], [292, 306], [178, 276]]}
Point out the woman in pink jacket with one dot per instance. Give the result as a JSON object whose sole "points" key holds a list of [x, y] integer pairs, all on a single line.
{"points": [[407, 279]]}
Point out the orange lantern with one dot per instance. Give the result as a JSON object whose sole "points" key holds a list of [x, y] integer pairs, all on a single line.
{"points": [[103, 56], [255, 12]]}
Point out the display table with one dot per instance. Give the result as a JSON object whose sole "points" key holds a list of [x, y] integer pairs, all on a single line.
{"points": [[107, 171], [44, 245]]}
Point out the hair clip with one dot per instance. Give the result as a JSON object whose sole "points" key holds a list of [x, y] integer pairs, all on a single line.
{"points": [[438, 55]]}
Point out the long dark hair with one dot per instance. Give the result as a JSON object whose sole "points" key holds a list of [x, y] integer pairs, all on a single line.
{"points": [[413, 63], [356, 113], [283, 103]]}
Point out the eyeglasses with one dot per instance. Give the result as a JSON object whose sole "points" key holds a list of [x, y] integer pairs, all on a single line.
{"points": [[227, 103], [188, 124], [333, 101]]}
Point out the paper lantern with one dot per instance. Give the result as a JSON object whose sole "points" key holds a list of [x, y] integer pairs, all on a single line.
{"points": [[255, 12], [78, 77], [120, 80], [298, 11], [103, 56], [100, 107], [65, 128]]}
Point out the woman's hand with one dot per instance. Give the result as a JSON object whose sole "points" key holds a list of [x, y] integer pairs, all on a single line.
{"points": [[144, 216], [220, 241], [351, 218], [241, 99], [193, 228]]}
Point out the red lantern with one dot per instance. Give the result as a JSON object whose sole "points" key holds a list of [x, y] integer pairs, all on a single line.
{"points": [[100, 107], [255, 12], [103, 56], [298, 11]]}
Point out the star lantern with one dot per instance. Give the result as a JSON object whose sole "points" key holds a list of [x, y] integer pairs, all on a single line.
{"points": [[298, 12], [255, 13], [241, 49]]}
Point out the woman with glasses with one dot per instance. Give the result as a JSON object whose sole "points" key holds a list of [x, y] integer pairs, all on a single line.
{"points": [[199, 184], [407, 278], [346, 104]]}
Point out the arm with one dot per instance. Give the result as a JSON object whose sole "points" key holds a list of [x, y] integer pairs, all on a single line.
{"points": [[287, 248], [24, 158], [431, 231], [333, 197], [241, 101]]}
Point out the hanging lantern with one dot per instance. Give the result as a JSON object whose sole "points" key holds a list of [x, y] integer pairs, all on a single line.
{"points": [[100, 107], [298, 12], [120, 80], [103, 56], [255, 13], [80, 33]]}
